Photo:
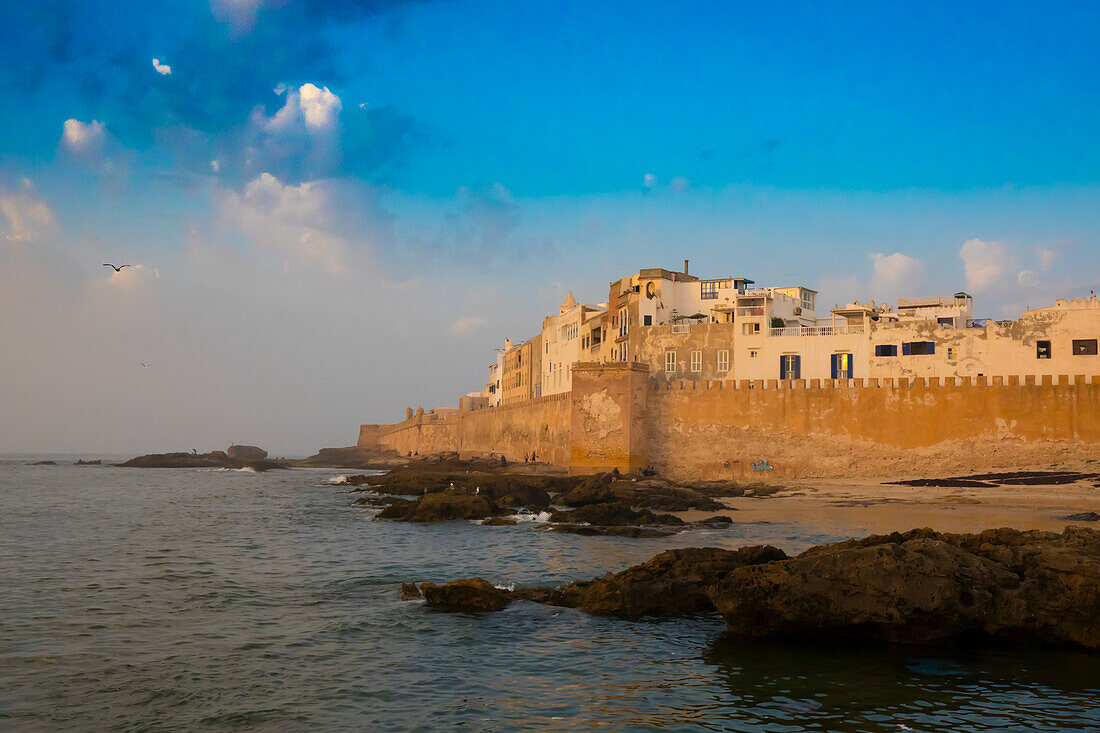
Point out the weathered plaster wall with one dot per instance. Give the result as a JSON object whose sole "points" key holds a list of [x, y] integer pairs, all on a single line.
{"points": [[540, 425], [608, 417], [698, 430]]}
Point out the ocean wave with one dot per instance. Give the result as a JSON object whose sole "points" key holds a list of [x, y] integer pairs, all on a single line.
{"points": [[246, 469], [338, 480], [539, 517]]}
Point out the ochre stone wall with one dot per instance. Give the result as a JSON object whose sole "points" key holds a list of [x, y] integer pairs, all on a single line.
{"points": [[719, 430], [617, 416], [540, 425], [608, 417]]}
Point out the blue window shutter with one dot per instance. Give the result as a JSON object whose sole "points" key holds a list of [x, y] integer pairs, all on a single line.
{"points": [[782, 368], [931, 347], [832, 365], [797, 368], [905, 349]]}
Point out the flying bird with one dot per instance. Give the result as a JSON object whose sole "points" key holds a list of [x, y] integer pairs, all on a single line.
{"points": [[118, 268], [143, 364]]}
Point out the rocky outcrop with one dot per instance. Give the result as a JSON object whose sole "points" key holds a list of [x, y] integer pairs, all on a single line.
{"points": [[649, 493], [473, 594], [477, 476], [614, 514], [353, 457], [439, 508], [919, 586], [672, 583], [213, 459], [246, 453], [923, 586]]}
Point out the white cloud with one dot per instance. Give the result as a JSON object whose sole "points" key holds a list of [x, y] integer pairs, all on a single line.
{"points": [[1046, 257], [319, 106], [893, 270], [984, 263], [215, 166], [162, 69], [649, 180], [293, 221], [309, 107], [467, 325], [82, 138], [1027, 278], [28, 217]]}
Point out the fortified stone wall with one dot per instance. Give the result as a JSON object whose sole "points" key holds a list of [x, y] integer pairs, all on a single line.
{"points": [[869, 427], [617, 416], [540, 425]]}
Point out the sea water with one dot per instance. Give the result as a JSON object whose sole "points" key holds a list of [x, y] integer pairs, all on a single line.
{"points": [[195, 599]]}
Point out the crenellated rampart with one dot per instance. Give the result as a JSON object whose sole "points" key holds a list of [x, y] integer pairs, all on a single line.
{"points": [[616, 416]]}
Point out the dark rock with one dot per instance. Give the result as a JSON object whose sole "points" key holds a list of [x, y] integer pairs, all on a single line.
{"points": [[473, 594], [438, 508], [923, 586], [672, 583], [1082, 517], [43, 463], [627, 531], [614, 514], [499, 522], [651, 493], [409, 592], [716, 522], [246, 453], [213, 459], [96, 462]]}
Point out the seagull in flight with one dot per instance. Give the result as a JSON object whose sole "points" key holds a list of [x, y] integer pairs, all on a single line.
{"points": [[118, 268], [143, 364]]}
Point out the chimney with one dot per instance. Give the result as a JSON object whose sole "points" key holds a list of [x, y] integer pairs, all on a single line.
{"points": [[685, 267]]}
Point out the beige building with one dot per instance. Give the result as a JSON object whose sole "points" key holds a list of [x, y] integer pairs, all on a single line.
{"points": [[686, 328]]}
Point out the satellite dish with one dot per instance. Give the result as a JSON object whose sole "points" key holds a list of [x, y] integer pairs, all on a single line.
{"points": [[798, 311]]}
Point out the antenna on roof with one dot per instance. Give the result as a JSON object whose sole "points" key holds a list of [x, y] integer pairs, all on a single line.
{"points": [[685, 267]]}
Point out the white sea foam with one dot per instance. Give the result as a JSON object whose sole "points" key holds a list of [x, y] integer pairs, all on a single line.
{"points": [[246, 469], [510, 587], [540, 517], [338, 480]]}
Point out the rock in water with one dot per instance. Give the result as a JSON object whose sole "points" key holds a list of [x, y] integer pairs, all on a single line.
{"points": [[923, 586], [409, 592], [246, 453], [672, 583], [439, 508], [473, 594]]}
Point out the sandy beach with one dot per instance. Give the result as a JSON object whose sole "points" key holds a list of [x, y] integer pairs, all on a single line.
{"points": [[862, 506]]}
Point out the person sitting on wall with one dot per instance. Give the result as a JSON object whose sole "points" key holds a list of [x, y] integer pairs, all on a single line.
{"points": [[503, 460]]}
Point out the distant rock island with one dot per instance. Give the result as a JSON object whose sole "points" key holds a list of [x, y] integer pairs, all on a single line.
{"points": [[236, 456]]}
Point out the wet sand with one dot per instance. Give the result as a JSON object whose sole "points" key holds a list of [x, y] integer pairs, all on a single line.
{"points": [[858, 507]]}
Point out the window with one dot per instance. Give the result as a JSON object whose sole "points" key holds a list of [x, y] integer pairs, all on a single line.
{"points": [[790, 366], [1042, 349], [670, 362], [696, 360], [622, 321], [809, 301], [723, 360], [750, 329], [918, 348], [622, 353], [648, 321], [595, 337], [753, 353], [946, 322], [841, 366], [1084, 347], [886, 350], [708, 290], [952, 353]]}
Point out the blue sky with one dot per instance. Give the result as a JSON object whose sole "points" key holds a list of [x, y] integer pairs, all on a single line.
{"points": [[369, 195]]}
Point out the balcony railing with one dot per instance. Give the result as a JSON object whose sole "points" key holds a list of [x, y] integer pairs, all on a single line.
{"points": [[751, 311], [816, 330], [977, 322], [680, 327]]}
